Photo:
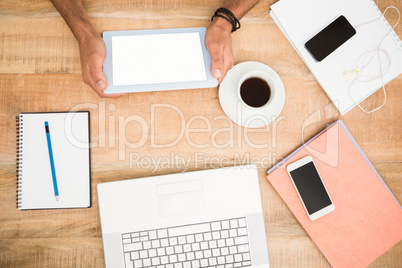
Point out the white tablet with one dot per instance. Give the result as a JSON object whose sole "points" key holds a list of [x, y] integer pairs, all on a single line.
{"points": [[163, 59]]}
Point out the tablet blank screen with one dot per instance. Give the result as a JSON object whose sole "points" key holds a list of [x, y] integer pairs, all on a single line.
{"points": [[158, 58]]}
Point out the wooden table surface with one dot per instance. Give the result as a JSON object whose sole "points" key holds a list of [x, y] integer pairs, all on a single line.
{"points": [[145, 134]]}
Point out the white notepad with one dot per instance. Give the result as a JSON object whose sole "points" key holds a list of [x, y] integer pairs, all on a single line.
{"points": [[300, 20], [69, 133]]}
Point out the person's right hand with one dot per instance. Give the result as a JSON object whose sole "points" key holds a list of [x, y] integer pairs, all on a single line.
{"points": [[218, 42], [93, 55]]}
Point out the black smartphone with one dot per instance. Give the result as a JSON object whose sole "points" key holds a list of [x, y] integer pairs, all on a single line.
{"points": [[310, 188], [330, 38]]}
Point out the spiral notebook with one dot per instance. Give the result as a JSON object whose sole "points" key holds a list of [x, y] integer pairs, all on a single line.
{"points": [[300, 20], [367, 218], [69, 134]]}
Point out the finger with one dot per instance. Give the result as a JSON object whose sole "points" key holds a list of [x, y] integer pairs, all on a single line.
{"points": [[227, 62], [100, 93], [88, 80], [95, 66], [99, 82], [216, 60]]}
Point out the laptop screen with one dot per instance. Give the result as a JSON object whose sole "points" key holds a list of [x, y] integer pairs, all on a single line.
{"points": [[157, 58]]}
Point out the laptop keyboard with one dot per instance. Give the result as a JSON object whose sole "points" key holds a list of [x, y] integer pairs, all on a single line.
{"points": [[222, 244]]}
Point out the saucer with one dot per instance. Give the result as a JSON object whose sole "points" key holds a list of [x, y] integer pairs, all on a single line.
{"points": [[237, 110]]}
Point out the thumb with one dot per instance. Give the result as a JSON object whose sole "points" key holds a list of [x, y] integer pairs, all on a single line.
{"points": [[97, 75], [216, 63], [98, 80]]}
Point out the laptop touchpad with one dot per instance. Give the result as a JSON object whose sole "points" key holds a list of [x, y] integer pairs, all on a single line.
{"points": [[175, 199]]}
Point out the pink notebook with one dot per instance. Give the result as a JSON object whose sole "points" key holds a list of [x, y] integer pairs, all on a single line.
{"points": [[367, 220]]}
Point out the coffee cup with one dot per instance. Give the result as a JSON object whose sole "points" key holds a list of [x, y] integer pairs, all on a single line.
{"points": [[256, 89]]}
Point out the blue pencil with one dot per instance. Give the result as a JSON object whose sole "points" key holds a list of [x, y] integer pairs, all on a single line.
{"points": [[49, 147]]}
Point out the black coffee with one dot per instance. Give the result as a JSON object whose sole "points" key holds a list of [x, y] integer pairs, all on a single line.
{"points": [[255, 92]]}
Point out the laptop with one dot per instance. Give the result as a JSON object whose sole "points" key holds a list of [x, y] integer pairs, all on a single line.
{"points": [[209, 218]]}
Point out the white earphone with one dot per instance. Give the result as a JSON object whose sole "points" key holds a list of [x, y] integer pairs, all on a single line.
{"points": [[351, 75], [357, 74]]}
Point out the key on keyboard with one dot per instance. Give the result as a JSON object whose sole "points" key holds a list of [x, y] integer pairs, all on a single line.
{"points": [[223, 244]]}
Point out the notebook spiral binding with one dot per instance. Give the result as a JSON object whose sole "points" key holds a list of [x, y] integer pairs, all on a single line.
{"points": [[19, 140], [387, 26]]}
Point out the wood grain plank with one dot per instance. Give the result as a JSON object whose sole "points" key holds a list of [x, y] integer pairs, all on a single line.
{"points": [[135, 125], [40, 71], [85, 222], [51, 252], [33, 47], [147, 9], [43, 49], [284, 251], [44, 236]]}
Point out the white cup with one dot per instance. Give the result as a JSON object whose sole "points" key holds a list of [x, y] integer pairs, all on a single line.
{"points": [[263, 76]]}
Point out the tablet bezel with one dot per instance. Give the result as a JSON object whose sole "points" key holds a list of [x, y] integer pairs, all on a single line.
{"points": [[108, 66]]}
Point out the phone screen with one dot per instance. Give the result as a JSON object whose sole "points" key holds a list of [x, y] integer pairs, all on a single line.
{"points": [[330, 38], [310, 187]]}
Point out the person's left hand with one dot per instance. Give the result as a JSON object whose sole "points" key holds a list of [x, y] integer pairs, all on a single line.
{"points": [[218, 41], [93, 54]]}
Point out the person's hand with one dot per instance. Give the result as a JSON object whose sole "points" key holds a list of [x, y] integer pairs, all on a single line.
{"points": [[218, 41], [93, 54]]}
